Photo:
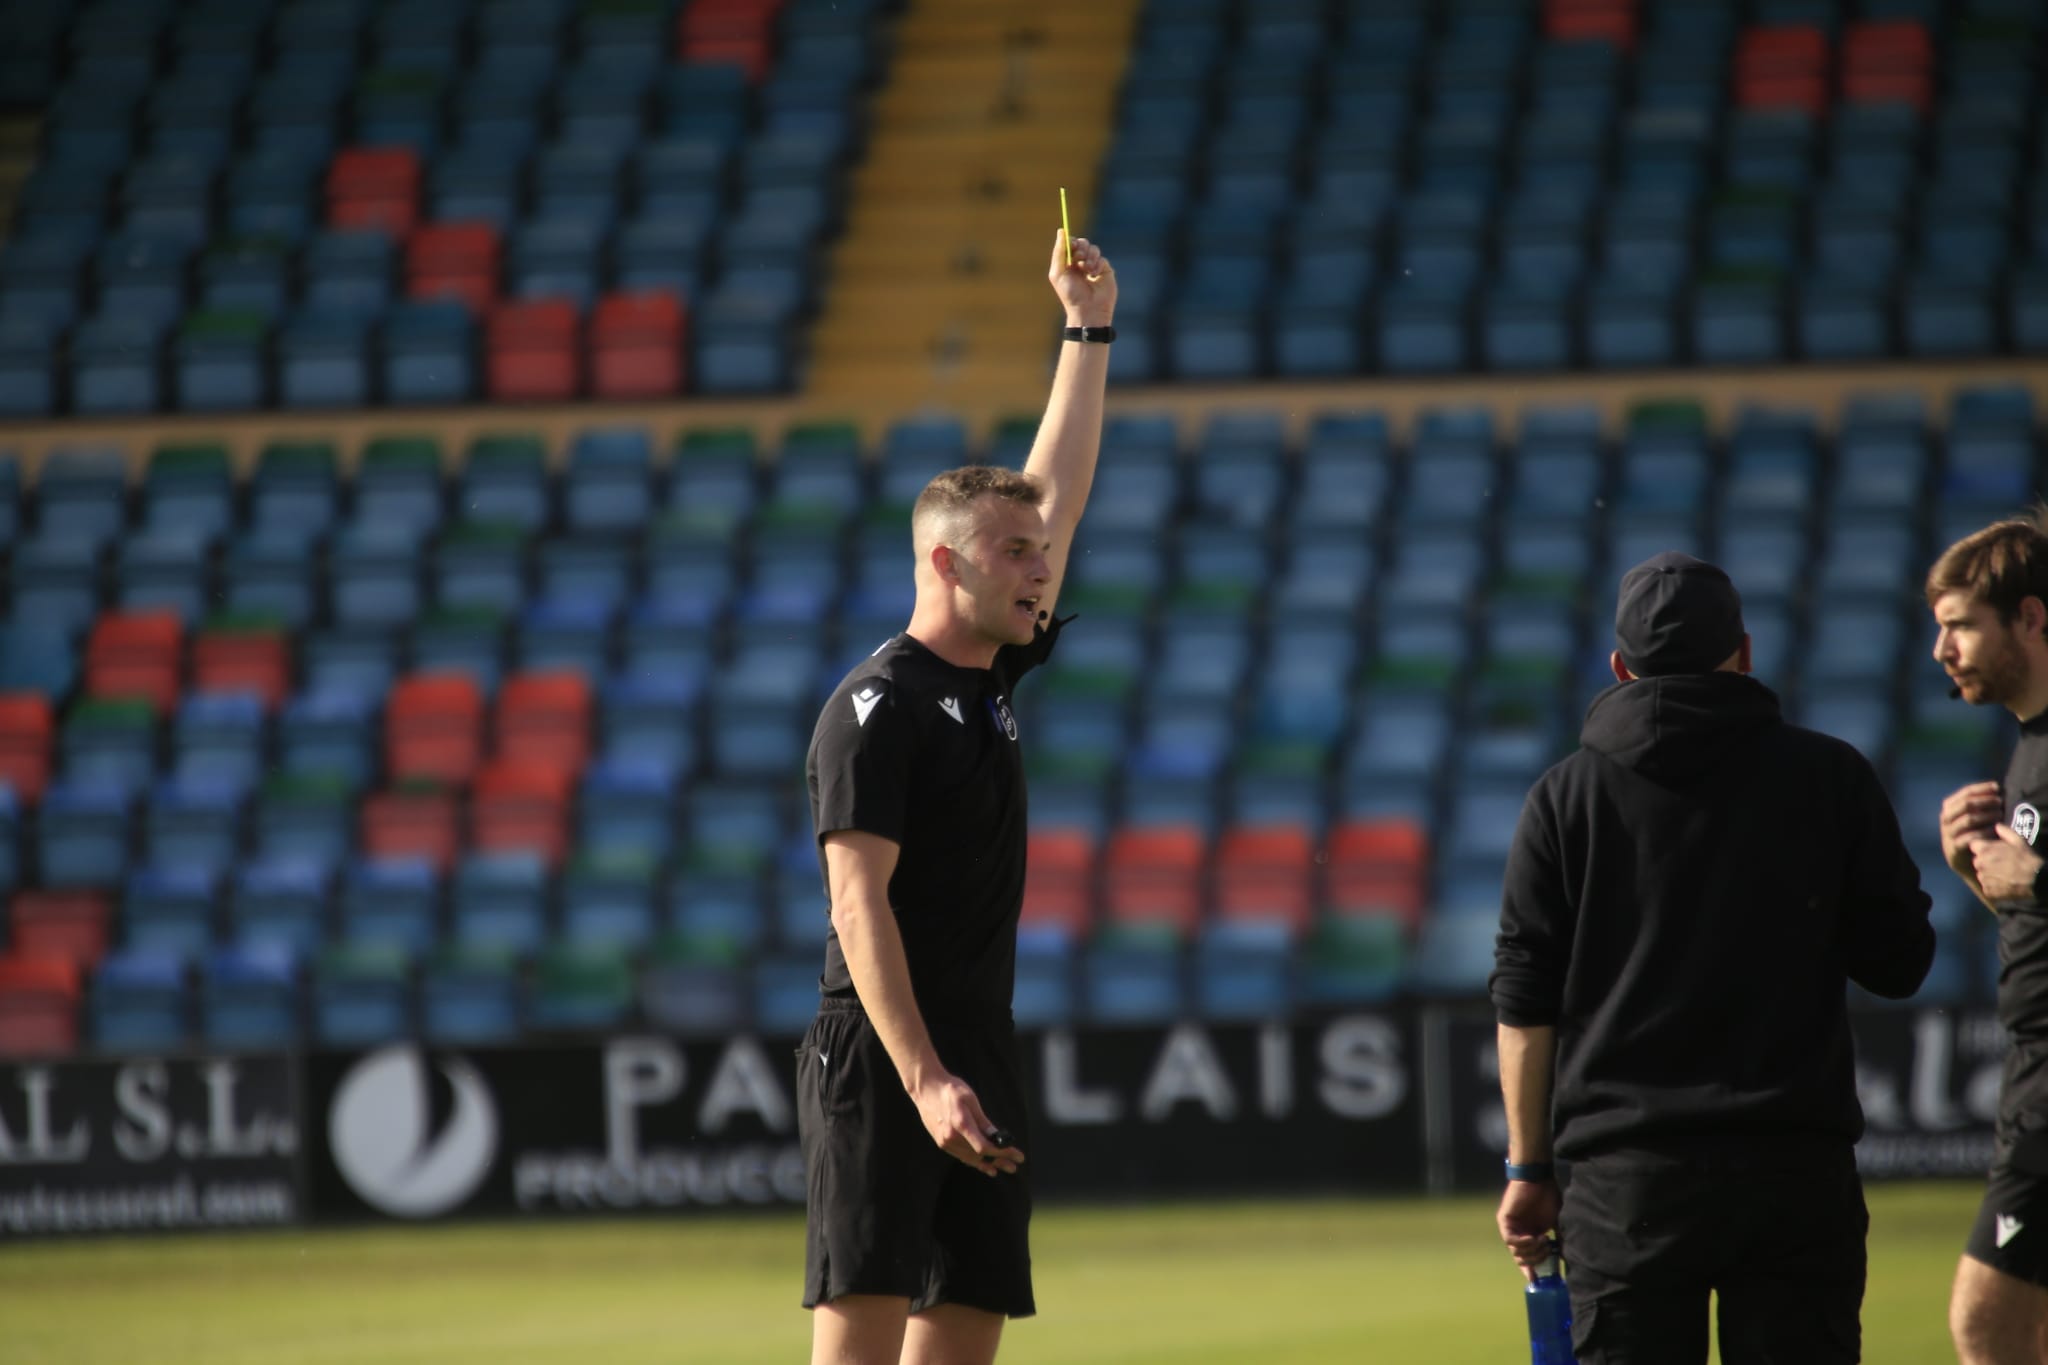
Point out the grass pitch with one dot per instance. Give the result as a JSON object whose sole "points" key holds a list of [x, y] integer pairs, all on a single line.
{"points": [[1398, 1281]]}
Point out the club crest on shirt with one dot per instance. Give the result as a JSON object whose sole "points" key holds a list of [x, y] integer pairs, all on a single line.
{"points": [[2026, 821], [1001, 709]]}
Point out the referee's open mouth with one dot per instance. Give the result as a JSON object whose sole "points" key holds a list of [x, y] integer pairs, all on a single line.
{"points": [[1028, 606]]}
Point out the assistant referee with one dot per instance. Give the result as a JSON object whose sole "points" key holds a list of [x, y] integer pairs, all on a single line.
{"points": [[909, 1097]]}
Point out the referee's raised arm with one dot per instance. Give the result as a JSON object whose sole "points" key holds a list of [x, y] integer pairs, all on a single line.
{"points": [[1069, 438]]}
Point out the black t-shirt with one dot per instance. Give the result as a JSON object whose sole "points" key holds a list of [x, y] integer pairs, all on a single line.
{"points": [[923, 753], [2023, 931]]}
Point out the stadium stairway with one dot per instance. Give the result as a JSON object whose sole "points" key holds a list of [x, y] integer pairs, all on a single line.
{"points": [[990, 109], [18, 135]]}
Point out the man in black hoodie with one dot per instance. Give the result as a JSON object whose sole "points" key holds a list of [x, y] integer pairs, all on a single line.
{"points": [[1687, 898]]}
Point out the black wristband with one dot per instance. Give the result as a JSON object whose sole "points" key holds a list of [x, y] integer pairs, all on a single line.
{"points": [[1531, 1170], [1104, 335]]}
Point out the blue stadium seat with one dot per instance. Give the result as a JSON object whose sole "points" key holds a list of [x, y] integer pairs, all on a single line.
{"points": [[1133, 977], [1045, 992], [1949, 317], [28, 364], [168, 910], [1628, 327], [610, 898], [83, 833], [1422, 331], [1244, 969], [1524, 329], [280, 900], [193, 823], [248, 997], [165, 569], [116, 364], [1737, 321], [500, 901], [323, 361], [469, 994], [565, 633], [141, 1001], [217, 743], [427, 353], [390, 902]]}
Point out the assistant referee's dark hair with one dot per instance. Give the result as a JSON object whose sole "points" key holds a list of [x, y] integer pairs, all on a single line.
{"points": [[952, 493], [2000, 566]]}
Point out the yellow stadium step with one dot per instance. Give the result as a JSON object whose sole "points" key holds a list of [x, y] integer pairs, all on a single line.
{"points": [[937, 290]]}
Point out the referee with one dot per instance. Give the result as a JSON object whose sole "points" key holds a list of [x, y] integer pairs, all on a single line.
{"points": [[909, 1097], [1687, 898], [1989, 596]]}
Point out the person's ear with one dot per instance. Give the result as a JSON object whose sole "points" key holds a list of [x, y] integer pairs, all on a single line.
{"points": [[2033, 616], [1745, 663], [943, 565], [1621, 673]]}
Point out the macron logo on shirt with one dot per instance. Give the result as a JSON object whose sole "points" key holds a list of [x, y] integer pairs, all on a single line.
{"points": [[951, 706], [864, 703]]}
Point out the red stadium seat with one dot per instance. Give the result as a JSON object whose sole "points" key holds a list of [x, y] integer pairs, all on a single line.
{"points": [[69, 925], [1895, 43], [375, 188], [433, 727], [413, 825], [1059, 880], [1782, 50], [38, 1006], [521, 807], [137, 654], [755, 56], [532, 355], [1782, 66], [1377, 867], [545, 718], [1154, 875], [27, 725], [1612, 21], [637, 346], [458, 260], [1890, 62], [1267, 873], [243, 660]]}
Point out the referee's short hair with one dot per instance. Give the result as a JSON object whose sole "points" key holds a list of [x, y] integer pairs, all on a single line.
{"points": [[950, 496], [2000, 566]]}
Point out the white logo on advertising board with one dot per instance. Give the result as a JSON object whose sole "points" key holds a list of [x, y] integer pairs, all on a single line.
{"points": [[382, 1147]]}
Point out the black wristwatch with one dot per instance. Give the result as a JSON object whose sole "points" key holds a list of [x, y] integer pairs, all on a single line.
{"points": [[1103, 335], [1531, 1170]]}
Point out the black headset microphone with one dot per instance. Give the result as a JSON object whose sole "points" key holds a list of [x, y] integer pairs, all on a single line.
{"points": [[1954, 693]]}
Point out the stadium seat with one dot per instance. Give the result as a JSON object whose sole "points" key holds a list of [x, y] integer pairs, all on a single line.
{"points": [[249, 997], [141, 1002], [469, 995], [361, 995]]}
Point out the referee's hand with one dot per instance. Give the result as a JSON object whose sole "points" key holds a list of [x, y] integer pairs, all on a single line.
{"points": [[1969, 815], [952, 1115]]}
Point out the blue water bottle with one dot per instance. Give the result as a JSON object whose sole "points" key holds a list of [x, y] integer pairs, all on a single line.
{"points": [[1550, 1316]]}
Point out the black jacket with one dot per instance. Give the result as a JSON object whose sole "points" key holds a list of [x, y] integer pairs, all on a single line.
{"points": [[1686, 898]]}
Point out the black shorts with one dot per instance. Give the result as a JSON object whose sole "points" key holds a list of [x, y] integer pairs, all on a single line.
{"points": [[1781, 1242], [2011, 1231], [889, 1212]]}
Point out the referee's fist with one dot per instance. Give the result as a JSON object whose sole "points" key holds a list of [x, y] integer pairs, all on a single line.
{"points": [[952, 1115], [1087, 288], [1969, 814]]}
